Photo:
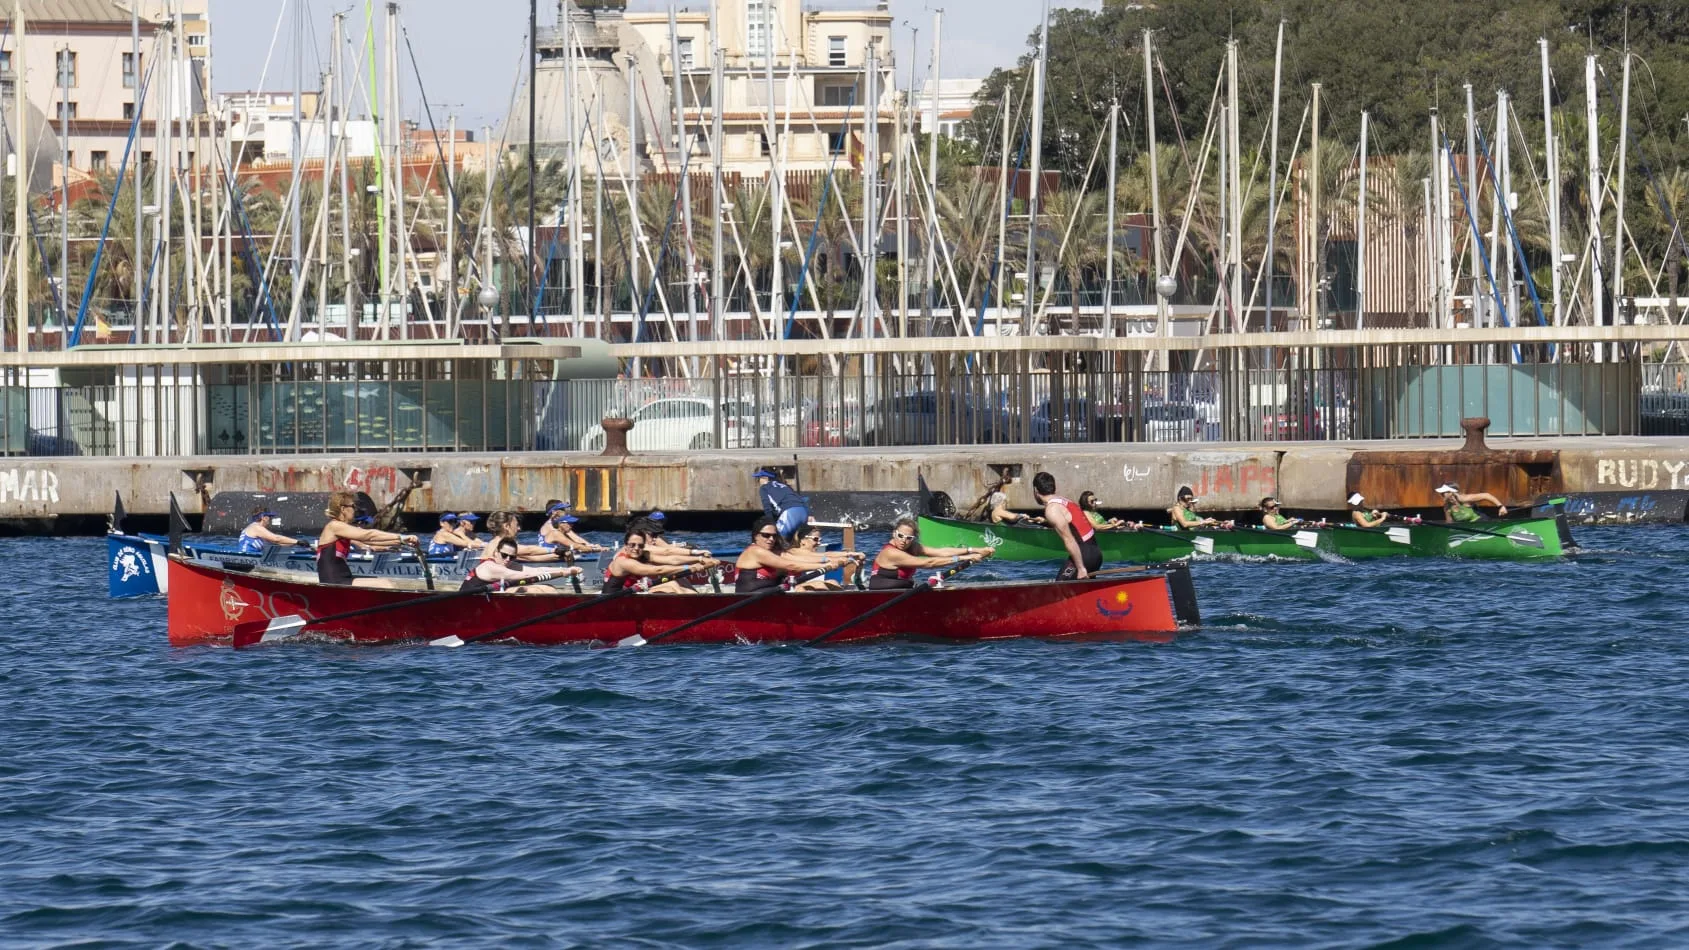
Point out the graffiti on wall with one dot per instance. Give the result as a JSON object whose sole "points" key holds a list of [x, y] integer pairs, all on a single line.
{"points": [[1645, 474], [1246, 478], [29, 484]]}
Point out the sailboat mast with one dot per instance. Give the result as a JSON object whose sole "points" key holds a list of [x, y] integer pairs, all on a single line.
{"points": [[135, 265], [931, 241], [1161, 276], [776, 186], [870, 186], [1618, 190], [1480, 306], [1272, 173], [1108, 252], [1235, 147], [637, 236], [1553, 150], [20, 200], [1360, 236], [1596, 284], [1037, 168]]}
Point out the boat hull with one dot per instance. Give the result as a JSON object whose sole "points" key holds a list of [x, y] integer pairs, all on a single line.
{"points": [[136, 566], [206, 604], [1148, 546], [1154, 546]]}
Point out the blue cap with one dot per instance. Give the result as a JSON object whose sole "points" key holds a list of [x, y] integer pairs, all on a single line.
{"points": [[448, 516], [560, 506], [266, 514], [765, 473], [364, 519], [656, 516], [570, 519], [468, 516]]}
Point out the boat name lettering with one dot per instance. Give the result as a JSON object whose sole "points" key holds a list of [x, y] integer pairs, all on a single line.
{"points": [[29, 484], [1642, 473]]}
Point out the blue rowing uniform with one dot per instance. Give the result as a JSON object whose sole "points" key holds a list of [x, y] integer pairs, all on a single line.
{"points": [[441, 549], [789, 509], [250, 545]]}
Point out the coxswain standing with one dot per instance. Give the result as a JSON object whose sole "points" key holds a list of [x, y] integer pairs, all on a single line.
{"points": [[257, 534], [897, 562], [633, 566], [337, 537], [788, 509], [766, 563], [496, 572], [1075, 530]]}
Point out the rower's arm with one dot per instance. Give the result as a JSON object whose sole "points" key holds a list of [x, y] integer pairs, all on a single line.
{"points": [[273, 537]]}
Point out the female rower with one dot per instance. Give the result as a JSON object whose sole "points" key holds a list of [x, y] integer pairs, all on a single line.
{"points": [[497, 570], [809, 542], [897, 562], [1457, 506], [558, 531], [1088, 504], [998, 505], [1275, 520], [466, 526], [448, 541], [505, 525], [337, 536], [1184, 512], [633, 566], [1364, 517], [765, 564], [257, 534]]}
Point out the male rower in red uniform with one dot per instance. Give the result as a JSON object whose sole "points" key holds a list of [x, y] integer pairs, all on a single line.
{"points": [[1071, 525]]}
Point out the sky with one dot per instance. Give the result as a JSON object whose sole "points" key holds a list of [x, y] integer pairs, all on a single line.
{"points": [[470, 64]]}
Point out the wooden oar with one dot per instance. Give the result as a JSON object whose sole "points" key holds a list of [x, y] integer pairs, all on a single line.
{"points": [[638, 641], [900, 598], [281, 628], [456, 641], [427, 572], [1201, 544]]}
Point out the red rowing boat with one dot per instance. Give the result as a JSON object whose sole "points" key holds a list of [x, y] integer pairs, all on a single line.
{"points": [[208, 603]]}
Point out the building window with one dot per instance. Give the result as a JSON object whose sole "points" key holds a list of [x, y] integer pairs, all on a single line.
{"points": [[129, 70], [687, 61], [97, 161], [196, 39], [6, 61], [836, 51], [835, 95], [66, 68], [835, 143], [756, 28], [128, 112], [763, 137], [66, 110]]}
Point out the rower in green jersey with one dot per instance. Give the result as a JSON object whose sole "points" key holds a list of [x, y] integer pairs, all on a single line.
{"points": [[1275, 520], [1458, 505], [1363, 516]]}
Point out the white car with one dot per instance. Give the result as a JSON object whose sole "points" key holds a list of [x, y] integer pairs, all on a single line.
{"points": [[674, 424]]}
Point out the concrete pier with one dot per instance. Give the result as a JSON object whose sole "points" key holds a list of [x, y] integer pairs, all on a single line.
{"points": [[46, 494]]}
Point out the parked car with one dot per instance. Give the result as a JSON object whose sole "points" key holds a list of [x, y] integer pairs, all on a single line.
{"points": [[677, 423], [1172, 422], [913, 419], [1074, 419]]}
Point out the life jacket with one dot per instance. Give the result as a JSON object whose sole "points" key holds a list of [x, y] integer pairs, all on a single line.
{"points": [[1083, 530]]}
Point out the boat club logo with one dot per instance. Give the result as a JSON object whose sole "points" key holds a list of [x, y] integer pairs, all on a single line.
{"points": [[229, 599], [129, 564], [991, 539], [1122, 605]]}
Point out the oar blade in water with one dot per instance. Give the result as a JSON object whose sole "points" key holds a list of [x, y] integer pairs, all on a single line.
{"points": [[631, 641], [1307, 539], [276, 628], [448, 641], [1525, 538], [1204, 545]]}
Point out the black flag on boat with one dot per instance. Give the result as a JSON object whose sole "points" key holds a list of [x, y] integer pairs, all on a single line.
{"points": [[178, 525], [117, 512]]}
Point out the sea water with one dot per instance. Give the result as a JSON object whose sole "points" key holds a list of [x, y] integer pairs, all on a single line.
{"points": [[1431, 752]]}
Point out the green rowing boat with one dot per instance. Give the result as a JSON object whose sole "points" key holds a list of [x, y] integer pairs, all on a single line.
{"points": [[1521, 540], [1148, 546]]}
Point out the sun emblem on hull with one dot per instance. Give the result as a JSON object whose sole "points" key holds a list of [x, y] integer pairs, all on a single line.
{"points": [[1122, 605], [230, 600]]}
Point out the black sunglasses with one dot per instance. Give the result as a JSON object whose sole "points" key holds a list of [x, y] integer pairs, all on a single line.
{"points": [[768, 534]]}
